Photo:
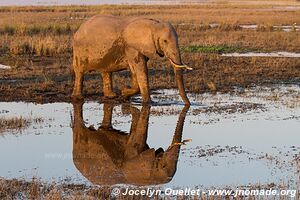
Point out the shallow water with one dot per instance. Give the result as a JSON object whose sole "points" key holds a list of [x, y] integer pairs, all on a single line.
{"points": [[248, 137], [281, 8], [285, 28], [4, 67], [257, 54]]}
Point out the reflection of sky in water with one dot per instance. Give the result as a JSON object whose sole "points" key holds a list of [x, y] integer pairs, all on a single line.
{"points": [[257, 131], [93, 2]]}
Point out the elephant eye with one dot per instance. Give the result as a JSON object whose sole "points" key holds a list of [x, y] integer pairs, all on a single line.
{"points": [[165, 41]]}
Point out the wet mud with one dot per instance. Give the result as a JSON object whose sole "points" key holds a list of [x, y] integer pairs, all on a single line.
{"points": [[51, 80]]}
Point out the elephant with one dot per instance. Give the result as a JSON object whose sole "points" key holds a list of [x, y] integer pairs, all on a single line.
{"points": [[110, 44], [107, 156]]}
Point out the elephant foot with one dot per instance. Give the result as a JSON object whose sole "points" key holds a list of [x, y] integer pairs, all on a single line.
{"points": [[110, 95], [146, 103], [128, 92], [77, 97]]}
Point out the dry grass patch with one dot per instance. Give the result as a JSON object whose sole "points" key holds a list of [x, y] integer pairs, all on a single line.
{"points": [[47, 31]]}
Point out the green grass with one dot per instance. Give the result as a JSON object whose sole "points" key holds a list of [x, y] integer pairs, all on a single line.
{"points": [[218, 49]]}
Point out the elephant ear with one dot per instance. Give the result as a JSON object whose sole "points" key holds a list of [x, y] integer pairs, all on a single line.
{"points": [[140, 35]]}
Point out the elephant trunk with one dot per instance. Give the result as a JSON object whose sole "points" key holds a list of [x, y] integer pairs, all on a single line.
{"points": [[178, 67], [180, 85], [171, 155]]}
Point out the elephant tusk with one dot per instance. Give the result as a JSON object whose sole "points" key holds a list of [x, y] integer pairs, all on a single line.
{"points": [[187, 140], [181, 143], [181, 66]]}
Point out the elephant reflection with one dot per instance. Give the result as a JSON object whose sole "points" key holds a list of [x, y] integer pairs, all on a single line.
{"points": [[108, 156]]}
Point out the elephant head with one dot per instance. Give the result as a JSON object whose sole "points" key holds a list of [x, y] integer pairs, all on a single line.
{"points": [[108, 156], [152, 37]]}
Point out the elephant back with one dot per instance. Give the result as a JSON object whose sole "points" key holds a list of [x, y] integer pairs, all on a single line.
{"points": [[96, 37]]}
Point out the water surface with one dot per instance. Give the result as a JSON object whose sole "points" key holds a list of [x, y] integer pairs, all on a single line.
{"points": [[260, 54], [247, 137], [4, 67]]}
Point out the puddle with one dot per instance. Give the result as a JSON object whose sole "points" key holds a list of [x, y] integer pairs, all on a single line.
{"points": [[285, 28], [4, 67], [248, 137], [273, 54], [281, 8], [214, 25]]}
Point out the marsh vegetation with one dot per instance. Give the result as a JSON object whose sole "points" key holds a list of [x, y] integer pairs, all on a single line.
{"points": [[17, 124]]}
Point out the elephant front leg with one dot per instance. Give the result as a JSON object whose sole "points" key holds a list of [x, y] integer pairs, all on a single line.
{"points": [[77, 90], [142, 77], [107, 85], [107, 117], [134, 89], [138, 63]]}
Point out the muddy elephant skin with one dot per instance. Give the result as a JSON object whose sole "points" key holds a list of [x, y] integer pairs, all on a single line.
{"points": [[107, 156], [110, 44]]}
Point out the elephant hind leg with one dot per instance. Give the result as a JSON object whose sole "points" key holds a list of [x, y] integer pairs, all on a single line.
{"points": [[107, 85], [134, 89]]}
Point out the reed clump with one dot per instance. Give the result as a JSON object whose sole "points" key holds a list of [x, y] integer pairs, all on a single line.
{"points": [[31, 30], [37, 46], [17, 123]]}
